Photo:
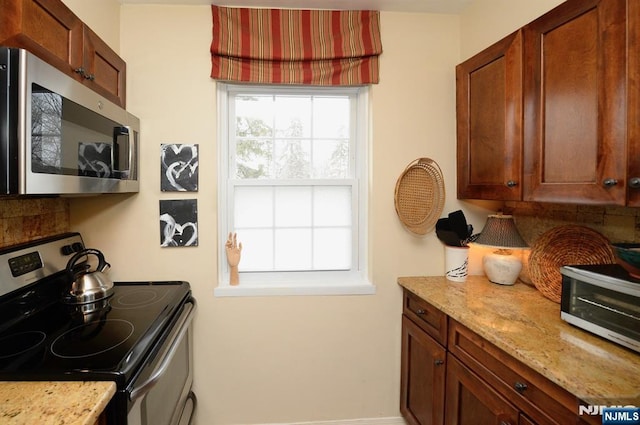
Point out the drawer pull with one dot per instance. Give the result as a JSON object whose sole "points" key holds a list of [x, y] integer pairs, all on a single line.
{"points": [[421, 311], [439, 362], [520, 387]]}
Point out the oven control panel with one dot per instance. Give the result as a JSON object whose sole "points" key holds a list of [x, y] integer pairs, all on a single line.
{"points": [[24, 264]]}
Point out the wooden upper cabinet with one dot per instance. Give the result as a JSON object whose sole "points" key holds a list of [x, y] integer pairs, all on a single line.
{"points": [[45, 27], [575, 104], [54, 33], [489, 122], [633, 104], [103, 69]]}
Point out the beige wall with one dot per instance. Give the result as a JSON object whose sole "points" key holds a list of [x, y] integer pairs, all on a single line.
{"points": [[102, 16], [286, 359], [486, 21]]}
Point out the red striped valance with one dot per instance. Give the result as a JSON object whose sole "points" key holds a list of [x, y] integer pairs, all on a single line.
{"points": [[282, 46]]}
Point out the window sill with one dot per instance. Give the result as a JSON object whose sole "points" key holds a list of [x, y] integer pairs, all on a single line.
{"points": [[301, 288]]}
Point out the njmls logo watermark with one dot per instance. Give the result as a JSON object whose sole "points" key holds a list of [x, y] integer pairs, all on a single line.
{"points": [[613, 415]]}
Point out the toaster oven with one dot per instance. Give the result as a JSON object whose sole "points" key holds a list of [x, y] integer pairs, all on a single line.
{"points": [[602, 299]]}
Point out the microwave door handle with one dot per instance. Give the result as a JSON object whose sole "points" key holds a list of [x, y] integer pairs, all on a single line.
{"points": [[115, 151], [183, 326]]}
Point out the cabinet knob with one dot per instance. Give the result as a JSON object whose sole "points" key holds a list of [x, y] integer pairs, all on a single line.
{"points": [[89, 77], [439, 362], [512, 183], [80, 71], [520, 387], [609, 182], [421, 311], [634, 182]]}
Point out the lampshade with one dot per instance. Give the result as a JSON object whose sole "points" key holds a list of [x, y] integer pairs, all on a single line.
{"points": [[501, 232]]}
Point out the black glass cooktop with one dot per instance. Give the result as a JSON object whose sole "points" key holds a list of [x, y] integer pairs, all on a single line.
{"points": [[95, 341]]}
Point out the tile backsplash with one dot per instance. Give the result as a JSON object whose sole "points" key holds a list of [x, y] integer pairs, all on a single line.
{"points": [[618, 224], [23, 220]]}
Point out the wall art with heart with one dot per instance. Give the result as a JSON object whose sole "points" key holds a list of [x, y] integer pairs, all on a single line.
{"points": [[178, 168], [179, 222]]}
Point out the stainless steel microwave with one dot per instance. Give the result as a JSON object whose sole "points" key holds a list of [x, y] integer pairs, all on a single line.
{"points": [[58, 137], [602, 299]]}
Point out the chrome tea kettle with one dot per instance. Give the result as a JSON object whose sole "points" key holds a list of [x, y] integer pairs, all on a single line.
{"points": [[88, 286]]}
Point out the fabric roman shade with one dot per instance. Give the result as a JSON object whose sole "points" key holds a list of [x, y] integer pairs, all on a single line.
{"points": [[283, 46]]}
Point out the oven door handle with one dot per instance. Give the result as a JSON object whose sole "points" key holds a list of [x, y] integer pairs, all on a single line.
{"points": [[183, 326]]}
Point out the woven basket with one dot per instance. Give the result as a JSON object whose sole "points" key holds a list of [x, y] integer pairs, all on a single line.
{"points": [[563, 246], [419, 196]]}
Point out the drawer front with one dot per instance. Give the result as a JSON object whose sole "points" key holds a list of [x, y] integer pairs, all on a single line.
{"points": [[429, 318], [540, 399]]}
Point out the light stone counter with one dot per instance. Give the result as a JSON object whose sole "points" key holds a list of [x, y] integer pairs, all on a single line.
{"points": [[53, 403], [522, 322]]}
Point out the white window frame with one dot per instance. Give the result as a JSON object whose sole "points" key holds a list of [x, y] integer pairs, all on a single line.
{"points": [[352, 282]]}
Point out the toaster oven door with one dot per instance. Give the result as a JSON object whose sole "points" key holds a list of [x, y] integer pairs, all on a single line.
{"points": [[606, 312]]}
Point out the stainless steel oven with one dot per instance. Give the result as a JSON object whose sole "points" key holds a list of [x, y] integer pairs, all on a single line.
{"points": [[161, 394], [140, 337]]}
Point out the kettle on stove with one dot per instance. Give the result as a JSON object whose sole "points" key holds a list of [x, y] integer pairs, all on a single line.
{"points": [[88, 286]]}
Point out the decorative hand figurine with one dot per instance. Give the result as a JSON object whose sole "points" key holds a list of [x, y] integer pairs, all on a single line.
{"points": [[233, 258]]}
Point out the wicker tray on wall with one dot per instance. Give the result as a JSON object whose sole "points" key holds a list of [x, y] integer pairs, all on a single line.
{"points": [[419, 196], [563, 246]]}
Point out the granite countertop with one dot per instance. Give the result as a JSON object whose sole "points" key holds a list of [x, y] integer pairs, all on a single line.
{"points": [[53, 403], [522, 322]]}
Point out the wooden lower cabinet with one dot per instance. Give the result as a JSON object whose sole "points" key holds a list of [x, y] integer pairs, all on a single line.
{"points": [[471, 401], [423, 376], [465, 380]]}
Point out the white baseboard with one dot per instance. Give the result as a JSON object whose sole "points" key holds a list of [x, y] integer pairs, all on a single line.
{"points": [[367, 421]]}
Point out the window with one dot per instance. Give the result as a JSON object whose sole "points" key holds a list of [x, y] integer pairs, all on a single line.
{"points": [[293, 186]]}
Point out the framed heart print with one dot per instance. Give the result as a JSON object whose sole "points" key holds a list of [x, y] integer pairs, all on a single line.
{"points": [[179, 222], [178, 168]]}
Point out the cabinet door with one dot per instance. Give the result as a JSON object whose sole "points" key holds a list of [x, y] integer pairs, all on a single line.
{"points": [[575, 108], [45, 27], [103, 70], [633, 105], [489, 122], [471, 401], [422, 376]]}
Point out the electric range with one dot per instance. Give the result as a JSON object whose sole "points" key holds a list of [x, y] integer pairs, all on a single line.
{"points": [[131, 338]]}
